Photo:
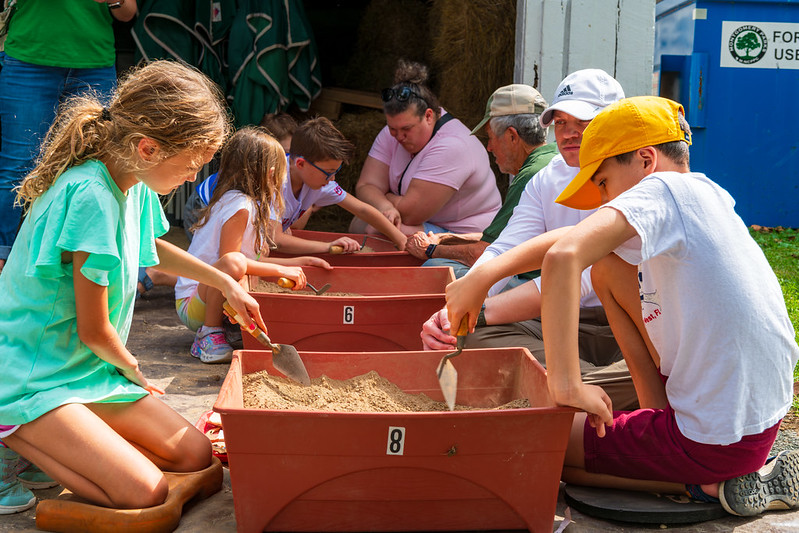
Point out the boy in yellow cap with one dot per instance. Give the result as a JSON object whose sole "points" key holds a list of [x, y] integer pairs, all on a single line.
{"points": [[698, 314], [695, 307]]}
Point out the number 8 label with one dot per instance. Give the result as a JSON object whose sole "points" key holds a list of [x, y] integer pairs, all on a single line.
{"points": [[349, 314], [396, 441]]}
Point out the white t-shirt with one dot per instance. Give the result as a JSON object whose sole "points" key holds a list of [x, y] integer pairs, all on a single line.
{"points": [[537, 213], [712, 307], [330, 194], [205, 244], [455, 158]]}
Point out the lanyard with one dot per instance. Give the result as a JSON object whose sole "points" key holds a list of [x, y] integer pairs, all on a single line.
{"points": [[440, 122]]}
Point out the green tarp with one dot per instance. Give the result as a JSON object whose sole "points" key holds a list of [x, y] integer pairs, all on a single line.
{"points": [[261, 52]]}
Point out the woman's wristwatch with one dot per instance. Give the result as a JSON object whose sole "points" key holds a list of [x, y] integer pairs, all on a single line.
{"points": [[430, 249]]}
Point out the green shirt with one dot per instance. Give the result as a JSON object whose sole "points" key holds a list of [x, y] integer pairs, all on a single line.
{"points": [[43, 363], [538, 159], [62, 33]]}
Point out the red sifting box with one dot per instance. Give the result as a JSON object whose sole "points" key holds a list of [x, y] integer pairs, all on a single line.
{"points": [[295, 470], [385, 253], [394, 303]]}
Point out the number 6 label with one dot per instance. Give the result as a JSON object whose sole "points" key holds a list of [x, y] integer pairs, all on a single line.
{"points": [[349, 314], [396, 441]]}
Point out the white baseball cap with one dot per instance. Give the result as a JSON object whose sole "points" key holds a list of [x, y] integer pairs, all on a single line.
{"points": [[583, 94]]}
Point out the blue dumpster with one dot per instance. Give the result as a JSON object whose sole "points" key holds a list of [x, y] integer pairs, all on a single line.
{"points": [[734, 65]]}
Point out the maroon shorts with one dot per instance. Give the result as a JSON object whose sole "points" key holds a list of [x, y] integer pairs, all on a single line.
{"points": [[646, 444]]}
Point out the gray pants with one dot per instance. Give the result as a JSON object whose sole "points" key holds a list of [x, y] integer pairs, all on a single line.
{"points": [[601, 361]]}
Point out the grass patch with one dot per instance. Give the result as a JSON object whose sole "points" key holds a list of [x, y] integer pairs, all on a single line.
{"points": [[781, 246]]}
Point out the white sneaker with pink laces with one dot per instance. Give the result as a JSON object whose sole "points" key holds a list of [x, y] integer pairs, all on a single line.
{"points": [[210, 345]]}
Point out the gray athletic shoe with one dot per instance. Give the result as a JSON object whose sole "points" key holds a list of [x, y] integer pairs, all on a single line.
{"points": [[774, 487]]}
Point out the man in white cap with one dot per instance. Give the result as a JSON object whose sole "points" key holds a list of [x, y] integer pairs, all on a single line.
{"points": [[517, 140], [511, 318]]}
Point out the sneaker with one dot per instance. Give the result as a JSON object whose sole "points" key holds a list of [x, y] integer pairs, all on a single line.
{"points": [[210, 346], [32, 477], [233, 335], [14, 498], [774, 487]]}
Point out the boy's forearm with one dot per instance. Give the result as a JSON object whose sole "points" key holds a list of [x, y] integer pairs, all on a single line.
{"points": [[560, 305]]}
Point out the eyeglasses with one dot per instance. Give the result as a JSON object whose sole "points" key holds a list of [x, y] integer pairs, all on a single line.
{"points": [[328, 175], [400, 95]]}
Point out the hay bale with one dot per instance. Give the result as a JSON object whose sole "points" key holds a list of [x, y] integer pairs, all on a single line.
{"points": [[389, 30], [361, 128], [472, 52]]}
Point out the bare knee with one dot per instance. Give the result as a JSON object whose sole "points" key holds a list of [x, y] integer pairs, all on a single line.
{"points": [[142, 492], [234, 264], [194, 452]]}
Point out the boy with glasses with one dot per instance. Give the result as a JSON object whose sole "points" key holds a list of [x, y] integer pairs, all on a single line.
{"points": [[318, 150]]}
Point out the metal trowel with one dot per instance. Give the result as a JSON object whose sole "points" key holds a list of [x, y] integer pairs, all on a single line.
{"points": [[287, 283], [447, 375], [285, 357]]}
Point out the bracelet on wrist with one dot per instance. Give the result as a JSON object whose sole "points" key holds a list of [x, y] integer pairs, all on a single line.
{"points": [[115, 4], [429, 251], [481, 317]]}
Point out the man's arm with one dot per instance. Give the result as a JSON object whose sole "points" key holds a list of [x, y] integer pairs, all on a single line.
{"points": [[467, 252]]}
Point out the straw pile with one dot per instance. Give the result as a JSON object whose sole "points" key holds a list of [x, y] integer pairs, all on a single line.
{"points": [[389, 30], [472, 52], [469, 47]]}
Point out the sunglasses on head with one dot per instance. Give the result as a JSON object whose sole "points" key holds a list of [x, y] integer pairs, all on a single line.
{"points": [[400, 95]]}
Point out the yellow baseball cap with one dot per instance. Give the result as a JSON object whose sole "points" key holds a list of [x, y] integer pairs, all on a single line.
{"points": [[625, 126]]}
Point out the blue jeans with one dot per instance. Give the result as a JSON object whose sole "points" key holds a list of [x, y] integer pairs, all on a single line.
{"points": [[29, 97]]}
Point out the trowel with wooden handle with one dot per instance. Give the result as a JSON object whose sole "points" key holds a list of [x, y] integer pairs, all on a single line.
{"points": [[285, 357], [287, 283]]}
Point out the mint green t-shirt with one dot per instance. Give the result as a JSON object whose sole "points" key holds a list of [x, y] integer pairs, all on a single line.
{"points": [[43, 363], [62, 33]]}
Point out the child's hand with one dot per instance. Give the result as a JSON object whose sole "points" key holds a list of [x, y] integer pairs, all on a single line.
{"points": [[349, 245], [596, 403], [465, 296], [134, 375], [309, 260], [401, 243], [296, 275]]}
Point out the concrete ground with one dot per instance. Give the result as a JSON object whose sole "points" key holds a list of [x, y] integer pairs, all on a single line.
{"points": [[162, 343]]}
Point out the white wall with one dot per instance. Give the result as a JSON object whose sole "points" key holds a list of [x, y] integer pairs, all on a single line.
{"points": [[556, 37]]}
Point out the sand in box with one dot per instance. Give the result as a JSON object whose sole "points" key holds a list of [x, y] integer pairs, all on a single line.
{"points": [[368, 393]]}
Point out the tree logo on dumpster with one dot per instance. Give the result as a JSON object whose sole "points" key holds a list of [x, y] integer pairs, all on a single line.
{"points": [[748, 44]]}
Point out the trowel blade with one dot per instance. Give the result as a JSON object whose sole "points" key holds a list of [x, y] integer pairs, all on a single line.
{"points": [[323, 289], [448, 380], [287, 360]]}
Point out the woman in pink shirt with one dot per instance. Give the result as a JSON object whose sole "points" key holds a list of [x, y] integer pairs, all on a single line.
{"points": [[425, 171]]}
